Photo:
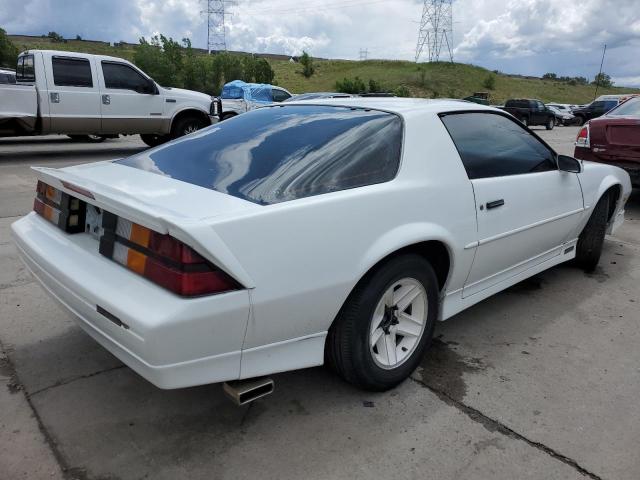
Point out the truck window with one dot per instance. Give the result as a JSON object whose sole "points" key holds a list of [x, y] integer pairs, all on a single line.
{"points": [[71, 72], [279, 95], [121, 76], [25, 71]]}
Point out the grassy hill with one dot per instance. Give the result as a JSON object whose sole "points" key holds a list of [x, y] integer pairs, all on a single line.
{"points": [[432, 80]]}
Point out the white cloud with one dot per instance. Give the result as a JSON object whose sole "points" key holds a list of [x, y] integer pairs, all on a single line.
{"points": [[517, 36]]}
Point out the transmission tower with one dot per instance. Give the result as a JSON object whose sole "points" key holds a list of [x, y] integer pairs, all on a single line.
{"points": [[216, 30], [436, 29], [364, 53]]}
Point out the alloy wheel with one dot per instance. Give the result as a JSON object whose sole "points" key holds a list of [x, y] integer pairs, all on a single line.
{"points": [[398, 323]]}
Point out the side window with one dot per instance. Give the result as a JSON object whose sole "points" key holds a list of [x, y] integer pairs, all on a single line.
{"points": [[25, 71], [279, 95], [492, 145], [123, 77], [540, 105], [597, 106], [71, 72]]}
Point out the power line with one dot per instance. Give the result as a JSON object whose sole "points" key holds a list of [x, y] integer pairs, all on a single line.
{"points": [[436, 29], [315, 7]]}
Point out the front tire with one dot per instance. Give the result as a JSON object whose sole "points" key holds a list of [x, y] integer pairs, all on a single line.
{"points": [[187, 125], [580, 121], [591, 239], [154, 140], [385, 327], [87, 138], [550, 124]]}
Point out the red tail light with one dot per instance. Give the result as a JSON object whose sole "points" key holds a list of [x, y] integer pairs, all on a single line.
{"points": [[59, 208], [162, 259], [583, 137]]}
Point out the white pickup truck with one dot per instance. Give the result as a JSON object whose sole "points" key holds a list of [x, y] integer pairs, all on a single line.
{"points": [[95, 96]]}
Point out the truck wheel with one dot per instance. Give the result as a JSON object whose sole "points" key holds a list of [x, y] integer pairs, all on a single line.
{"points": [[550, 124], [525, 121], [187, 125], [579, 121], [88, 138], [384, 328], [154, 140], [590, 241]]}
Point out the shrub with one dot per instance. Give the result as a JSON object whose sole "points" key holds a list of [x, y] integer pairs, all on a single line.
{"points": [[307, 65], [55, 37], [402, 91], [489, 82], [349, 85]]}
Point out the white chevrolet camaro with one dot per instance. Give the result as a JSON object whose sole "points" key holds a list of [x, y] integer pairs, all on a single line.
{"points": [[333, 231]]}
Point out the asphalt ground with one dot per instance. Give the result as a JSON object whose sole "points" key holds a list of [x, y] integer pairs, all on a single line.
{"points": [[541, 381]]}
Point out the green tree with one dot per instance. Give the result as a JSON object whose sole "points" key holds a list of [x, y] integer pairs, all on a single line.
{"points": [[78, 37], [375, 87], [603, 80], [489, 82], [307, 65], [8, 51], [550, 76], [263, 71], [161, 58], [55, 37]]}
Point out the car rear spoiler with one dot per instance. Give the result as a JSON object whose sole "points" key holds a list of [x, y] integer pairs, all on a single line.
{"points": [[198, 235]]}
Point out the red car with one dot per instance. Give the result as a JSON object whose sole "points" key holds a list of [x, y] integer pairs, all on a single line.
{"points": [[614, 138]]}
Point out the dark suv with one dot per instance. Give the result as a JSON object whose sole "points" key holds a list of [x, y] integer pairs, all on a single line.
{"points": [[531, 112], [593, 110]]}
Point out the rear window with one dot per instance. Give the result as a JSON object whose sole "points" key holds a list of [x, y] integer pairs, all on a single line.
{"points": [[25, 71], [630, 108], [277, 154]]}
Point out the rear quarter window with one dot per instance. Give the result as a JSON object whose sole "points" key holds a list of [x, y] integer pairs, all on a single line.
{"points": [[283, 153]]}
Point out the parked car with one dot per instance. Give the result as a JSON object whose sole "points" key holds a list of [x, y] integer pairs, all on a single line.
{"points": [[317, 96], [614, 139], [335, 230], [7, 76], [594, 110], [563, 117], [80, 94], [240, 97], [530, 112]]}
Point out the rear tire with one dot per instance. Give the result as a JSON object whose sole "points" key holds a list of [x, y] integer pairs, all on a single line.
{"points": [[591, 239], [376, 316], [525, 121], [187, 125], [154, 140]]}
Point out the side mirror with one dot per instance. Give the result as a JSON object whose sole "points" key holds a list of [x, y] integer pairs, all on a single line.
{"points": [[569, 164]]}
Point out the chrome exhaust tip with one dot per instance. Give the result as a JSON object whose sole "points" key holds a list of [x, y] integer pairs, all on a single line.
{"points": [[242, 392]]}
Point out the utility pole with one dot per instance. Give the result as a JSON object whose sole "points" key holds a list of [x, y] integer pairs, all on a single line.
{"points": [[600, 72], [216, 30], [436, 29], [364, 53]]}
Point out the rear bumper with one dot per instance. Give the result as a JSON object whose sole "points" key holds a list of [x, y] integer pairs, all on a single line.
{"points": [[171, 341], [631, 167]]}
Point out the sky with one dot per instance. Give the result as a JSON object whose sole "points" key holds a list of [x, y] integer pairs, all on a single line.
{"points": [[528, 37]]}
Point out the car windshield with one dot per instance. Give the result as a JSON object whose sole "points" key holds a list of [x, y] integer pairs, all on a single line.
{"points": [[630, 108], [282, 153]]}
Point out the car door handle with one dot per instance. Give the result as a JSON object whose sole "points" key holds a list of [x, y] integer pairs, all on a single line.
{"points": [[106, 99], [54, 97], [495, 204]]}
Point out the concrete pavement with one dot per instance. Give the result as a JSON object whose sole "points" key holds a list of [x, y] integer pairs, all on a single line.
{"points": [[540, 381]]}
